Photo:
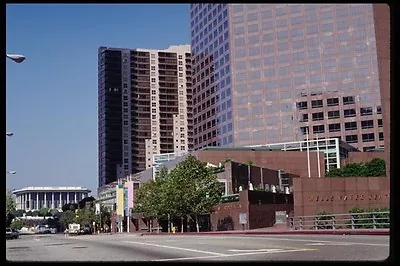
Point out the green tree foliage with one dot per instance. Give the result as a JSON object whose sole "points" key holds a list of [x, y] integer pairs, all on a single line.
{"points": [[44, 212], [70, 206], [17, 224], [10, 208], [375, 167], [68, 218], [85, 216], [189, 188], [19, 213], [35, 213]]}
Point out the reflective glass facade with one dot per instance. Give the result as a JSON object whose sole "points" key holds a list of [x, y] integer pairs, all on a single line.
{"points": [[293, 69]]}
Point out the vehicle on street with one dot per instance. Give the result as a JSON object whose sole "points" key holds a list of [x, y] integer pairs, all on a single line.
{"points": [[12, 233], [74, 228]]}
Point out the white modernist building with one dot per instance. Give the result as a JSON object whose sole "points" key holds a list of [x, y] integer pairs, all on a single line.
{"points": [[35, 198]]}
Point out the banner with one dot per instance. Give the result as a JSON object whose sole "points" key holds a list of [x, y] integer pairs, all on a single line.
{"points": [[120, 200], [97, 208]]}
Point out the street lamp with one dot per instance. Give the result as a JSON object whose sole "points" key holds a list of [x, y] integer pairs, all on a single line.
{"points": [[18, 58], [9, 134], [11, 172]]}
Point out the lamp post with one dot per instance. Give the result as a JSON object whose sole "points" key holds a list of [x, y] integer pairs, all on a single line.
{"points": [[11, 172], [17, 58], [9, 134]]}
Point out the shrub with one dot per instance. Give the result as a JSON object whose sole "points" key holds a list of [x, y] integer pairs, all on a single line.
{"points": [[375, 167]]}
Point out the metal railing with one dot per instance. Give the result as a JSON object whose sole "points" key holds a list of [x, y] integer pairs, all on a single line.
{"points": [[363, 220]]}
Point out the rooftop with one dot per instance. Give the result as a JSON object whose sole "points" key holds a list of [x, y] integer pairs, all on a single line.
{"points": [[72, 189]]}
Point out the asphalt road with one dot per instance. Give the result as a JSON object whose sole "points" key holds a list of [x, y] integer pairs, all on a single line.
{"points": [[126, 247]]}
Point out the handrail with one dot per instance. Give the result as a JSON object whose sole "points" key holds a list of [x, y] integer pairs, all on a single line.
{"points": [[360, 220]]}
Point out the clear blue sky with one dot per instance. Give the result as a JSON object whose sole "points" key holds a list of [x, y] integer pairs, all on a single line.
{"points": [[52, 96]]}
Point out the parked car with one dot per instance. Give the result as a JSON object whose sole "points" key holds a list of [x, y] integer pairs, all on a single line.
{"points": [[11, 233], [86, 231]]}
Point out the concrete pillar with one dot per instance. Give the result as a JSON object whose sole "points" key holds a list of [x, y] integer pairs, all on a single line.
{"points": [[52, 200], [67, 197], [75, 198], [37, 200], [45, 200], [60, 204], [30, 201]]}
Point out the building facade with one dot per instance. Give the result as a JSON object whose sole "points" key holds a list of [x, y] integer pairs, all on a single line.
{"points": [[145, 108], [266, 73], [35, 198]]}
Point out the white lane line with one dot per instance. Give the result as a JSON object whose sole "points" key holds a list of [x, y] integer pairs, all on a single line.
{"points": [[178, 248], [298, 240], [328, 244], [230, 255], [255, 250]]}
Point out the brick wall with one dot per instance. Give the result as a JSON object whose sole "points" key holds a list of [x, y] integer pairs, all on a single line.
{"points": [[339, 195]]}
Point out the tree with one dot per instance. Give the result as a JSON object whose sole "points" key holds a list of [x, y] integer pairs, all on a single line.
{"points": [[19, 213], [10, 208], [375, 167], [17, 224], [44, 212], [207, 195], [68, 218], [190, 188], [195, 189]]}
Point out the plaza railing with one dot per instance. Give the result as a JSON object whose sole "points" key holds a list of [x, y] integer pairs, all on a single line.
{"points": [[363, 220]]}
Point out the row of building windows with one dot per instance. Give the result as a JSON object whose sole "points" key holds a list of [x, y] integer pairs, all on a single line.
{"points": [[335, 114], [366, 124], [335, 102], [319, 129], [285, 33]]}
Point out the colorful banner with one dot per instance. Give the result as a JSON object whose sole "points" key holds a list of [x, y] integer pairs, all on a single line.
{"points": [[120, 200], [130, 194], [126, 209]]}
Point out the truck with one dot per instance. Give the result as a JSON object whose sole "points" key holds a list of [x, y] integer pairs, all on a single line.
{"points": [[74, 228]]}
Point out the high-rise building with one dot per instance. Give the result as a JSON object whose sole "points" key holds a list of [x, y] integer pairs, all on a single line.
{"points": [[144, 108], [268, 73]]}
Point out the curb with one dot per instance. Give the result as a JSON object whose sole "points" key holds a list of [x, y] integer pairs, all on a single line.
{"points": [[296, 232]]}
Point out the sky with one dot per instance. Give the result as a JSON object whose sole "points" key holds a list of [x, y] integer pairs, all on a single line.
{"points": [[51, 98]]}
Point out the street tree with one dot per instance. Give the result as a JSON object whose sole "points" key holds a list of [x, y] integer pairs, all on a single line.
{"points": [[10, 208], [194, 188], [19, 213], [68, 218], [17, 224]]}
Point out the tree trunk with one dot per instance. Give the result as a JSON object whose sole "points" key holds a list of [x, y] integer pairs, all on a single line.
{"points": [[262, 179], [197, 224], [169, 224], [150, 222], [182, 224], [187, 224], [158, 225]]}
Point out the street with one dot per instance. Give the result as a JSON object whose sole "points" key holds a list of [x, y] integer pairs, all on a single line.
{"points": [[133, 247]]}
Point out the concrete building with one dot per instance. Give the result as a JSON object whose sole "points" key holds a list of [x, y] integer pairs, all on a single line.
{"points": [[145, 108], [35, 198], [270, 73]]}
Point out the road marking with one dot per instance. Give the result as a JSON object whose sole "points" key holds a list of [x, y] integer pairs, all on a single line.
{"points": [[178, 248], [254, 250], [298, 240], [231, 255], [328, 244]]}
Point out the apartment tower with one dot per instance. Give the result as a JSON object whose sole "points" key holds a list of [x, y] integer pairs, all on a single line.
{"points": [[144, 108], [268, 73]]}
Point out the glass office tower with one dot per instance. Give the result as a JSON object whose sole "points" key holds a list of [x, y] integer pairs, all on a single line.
{"points": [[266, 73]]}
